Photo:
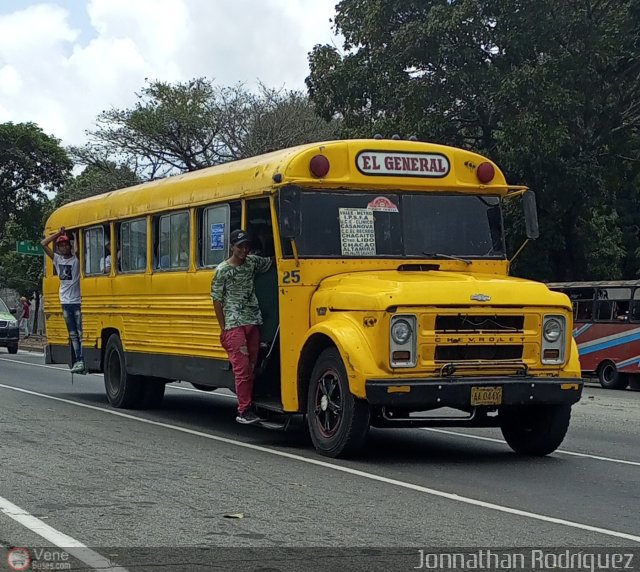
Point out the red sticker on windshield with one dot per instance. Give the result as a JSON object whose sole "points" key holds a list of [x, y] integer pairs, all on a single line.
{"points": [[382, 204]]}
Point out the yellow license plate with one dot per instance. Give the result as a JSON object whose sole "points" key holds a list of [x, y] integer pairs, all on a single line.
{"points": [[491, 395]]}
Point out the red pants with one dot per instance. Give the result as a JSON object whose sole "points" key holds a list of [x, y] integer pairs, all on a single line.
{"points": [[242, 345]]}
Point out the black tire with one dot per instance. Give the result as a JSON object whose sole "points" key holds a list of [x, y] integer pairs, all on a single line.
{"points": [[124, 390], [338, 421], [153, 392], [610, 378], [203, 387], [13, 349], [535, 430]]}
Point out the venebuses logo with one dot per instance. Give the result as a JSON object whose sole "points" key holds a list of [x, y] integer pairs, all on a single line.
{"points": [[19, 559]]}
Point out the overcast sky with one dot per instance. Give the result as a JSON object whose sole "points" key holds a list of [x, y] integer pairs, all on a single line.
{"points": [[64, 61]]}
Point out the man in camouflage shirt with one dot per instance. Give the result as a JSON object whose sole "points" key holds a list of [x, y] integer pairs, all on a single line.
{"points": [[238, 313]]}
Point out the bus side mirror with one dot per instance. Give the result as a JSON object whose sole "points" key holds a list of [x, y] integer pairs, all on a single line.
{"points": [[289, 212], [530, 214]]}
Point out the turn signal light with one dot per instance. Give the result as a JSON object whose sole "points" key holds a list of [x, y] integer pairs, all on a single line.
{"points": [[551, 354], [401, 356]]}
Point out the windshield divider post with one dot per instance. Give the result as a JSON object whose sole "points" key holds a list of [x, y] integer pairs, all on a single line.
{"points": [[294, 249], [519, 250]]}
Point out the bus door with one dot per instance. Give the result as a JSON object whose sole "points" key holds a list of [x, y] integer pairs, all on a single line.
{"points": [[260, 227]]}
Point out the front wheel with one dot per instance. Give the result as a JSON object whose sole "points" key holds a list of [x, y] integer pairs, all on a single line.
{"points": [[610, 378], [535, 430], [338, 421]]}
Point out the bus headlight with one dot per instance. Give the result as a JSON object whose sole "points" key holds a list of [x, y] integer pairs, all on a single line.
{"points": [[554, 340], [402, 345], [401, 332], [552, 330]]}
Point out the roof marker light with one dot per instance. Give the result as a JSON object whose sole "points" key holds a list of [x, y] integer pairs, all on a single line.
{"points": [[485, 172], [319, 166]]}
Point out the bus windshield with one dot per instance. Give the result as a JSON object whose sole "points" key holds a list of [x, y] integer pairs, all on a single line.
{"points": [[400, 224]]}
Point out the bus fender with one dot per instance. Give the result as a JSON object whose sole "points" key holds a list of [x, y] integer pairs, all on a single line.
{"points": [[573, 363], [354, 349]]}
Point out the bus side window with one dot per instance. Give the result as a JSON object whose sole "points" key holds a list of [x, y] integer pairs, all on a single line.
{"points": [[260, 228], [132, 246], [604, 310], [574, 305], [94, 251], [584, 310], [620, 300], [171, 241], [213, 236], [635, 306]]}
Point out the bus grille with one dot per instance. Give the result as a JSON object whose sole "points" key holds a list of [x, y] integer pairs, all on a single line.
{"points": [[479, 352], [481, 324]]}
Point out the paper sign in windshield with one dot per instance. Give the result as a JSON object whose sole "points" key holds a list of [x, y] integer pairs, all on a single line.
{"points": [[382, 204], [357, 232], [217, 236]]}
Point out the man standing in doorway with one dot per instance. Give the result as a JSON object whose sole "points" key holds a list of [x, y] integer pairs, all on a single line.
{"points": [[238, 313], [68, 269]]}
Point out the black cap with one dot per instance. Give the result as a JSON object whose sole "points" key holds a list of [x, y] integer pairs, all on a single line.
{"points": [[238, 237]]}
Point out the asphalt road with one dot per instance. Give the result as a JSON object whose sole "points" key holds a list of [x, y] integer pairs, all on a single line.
{"points": [[179, 483]]}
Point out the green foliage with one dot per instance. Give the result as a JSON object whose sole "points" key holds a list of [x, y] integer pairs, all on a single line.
{"points": [[96, 179], [186, 126], [548, 89], [32, 165]]}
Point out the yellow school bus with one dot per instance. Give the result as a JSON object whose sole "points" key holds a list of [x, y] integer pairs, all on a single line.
{"points": [[390, 303]]}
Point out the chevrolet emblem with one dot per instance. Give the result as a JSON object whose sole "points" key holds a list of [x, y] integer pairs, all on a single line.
{"points": [[481, 298]]}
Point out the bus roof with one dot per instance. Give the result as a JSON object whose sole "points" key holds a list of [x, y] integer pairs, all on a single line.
{"points": [[597, 284], [263, 173]]}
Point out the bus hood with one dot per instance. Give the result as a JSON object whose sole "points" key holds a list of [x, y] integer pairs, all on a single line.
{"points": [[380, 290]]}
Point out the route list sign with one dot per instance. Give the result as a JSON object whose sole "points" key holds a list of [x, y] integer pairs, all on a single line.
{"points": [[357, 232]]}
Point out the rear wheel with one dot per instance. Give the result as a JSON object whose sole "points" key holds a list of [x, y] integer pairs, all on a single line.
{"points": [[338, 421], [610, 377], [123, 389], [535, 430], [13, 348], [203, 387], [153, 392]]}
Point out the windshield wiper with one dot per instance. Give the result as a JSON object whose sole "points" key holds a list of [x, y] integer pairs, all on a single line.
{"points": [[448, 256]]}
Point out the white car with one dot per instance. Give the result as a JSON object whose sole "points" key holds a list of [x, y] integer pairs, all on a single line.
{"points": [[9, 333]]}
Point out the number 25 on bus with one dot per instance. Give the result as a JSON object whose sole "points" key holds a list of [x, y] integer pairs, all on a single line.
{"points": [[390, 298]]}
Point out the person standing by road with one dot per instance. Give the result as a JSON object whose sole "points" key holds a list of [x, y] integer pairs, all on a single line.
{"points": [[238, 313], [67, 267], [24, 317]]}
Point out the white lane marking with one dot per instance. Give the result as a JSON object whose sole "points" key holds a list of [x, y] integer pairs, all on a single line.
{"points": [[342, 469], [62, 368], [432, 429], [502, 442], [57, 538], [466, 435]]}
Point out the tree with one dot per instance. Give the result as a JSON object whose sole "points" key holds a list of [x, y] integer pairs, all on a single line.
{"points": [[97, 178], [548, 89], [32, 165], [186, 126]]}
